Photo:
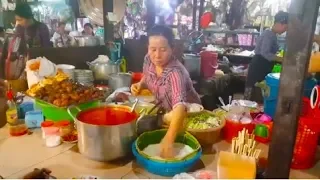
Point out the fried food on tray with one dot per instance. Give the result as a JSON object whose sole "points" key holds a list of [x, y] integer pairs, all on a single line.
{"points": [[64, 93], [47, 81]]}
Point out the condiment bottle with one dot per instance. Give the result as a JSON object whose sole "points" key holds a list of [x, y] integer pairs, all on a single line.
{"points": [[52, 136], [44, 126], [65, 127]]}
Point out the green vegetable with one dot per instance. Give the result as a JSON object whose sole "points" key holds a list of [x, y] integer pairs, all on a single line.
{"points": [[203, 120]]}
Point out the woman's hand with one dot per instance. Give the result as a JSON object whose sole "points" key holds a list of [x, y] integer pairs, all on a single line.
{"points": [[136, 88], [166, 146]]}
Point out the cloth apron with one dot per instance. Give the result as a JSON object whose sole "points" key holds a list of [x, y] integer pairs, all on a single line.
{"points": [[259, 68]]}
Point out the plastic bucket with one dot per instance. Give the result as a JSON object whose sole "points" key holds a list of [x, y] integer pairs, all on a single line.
{"points": [[232, 128], [273, 81], [57, 114]]}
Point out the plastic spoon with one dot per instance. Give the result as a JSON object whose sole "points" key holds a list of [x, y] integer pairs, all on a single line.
{"points": [[221, 101], [134, 105]]}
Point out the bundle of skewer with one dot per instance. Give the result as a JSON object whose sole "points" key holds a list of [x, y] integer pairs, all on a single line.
{"points": [[245, 145]]}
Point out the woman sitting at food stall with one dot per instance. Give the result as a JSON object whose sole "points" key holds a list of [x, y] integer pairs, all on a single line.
{"points": [[265, 56], [169, 81]]}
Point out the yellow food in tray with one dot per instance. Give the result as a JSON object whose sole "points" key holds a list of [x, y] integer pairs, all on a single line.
{"points": [[47, 81], [145, 92]]}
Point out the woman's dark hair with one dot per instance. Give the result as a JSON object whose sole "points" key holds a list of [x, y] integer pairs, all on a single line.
{"points": [[161, 30], [281, 17], [23, 10], [88, 25]]}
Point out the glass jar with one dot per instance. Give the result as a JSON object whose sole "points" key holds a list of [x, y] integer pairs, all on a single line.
{"points": [[52, 136], [18, 129], [65, 127], [44, 125]]}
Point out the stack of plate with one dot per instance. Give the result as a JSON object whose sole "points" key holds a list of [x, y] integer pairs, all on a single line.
{"points": [[84, 77], [67, 69]]}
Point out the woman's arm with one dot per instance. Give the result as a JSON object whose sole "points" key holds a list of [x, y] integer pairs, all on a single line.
{"points": [[266, 45], [178, 113]]}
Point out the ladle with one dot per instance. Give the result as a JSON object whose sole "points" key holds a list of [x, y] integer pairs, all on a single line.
{"points": [[134, 104]]}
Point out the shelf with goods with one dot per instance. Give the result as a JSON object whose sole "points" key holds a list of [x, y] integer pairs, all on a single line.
{"points": [[244, 39]]}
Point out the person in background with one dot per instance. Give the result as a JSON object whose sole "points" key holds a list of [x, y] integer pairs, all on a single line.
{"points": [[60, 37], [2, 40], [265, 56], [169, 82], [88, 30], [37, 33]]}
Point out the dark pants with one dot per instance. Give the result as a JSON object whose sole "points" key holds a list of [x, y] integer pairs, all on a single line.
{"points": [[258, 69]]}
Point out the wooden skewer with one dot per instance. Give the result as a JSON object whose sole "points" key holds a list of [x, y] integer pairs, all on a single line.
{"points": [[245, 150], [257, 153], [233, 145], [245, 144]]}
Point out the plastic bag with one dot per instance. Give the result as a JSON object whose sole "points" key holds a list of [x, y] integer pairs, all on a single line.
{"points": [[183, 176], [119, 90], [205, 174], [239, 114]]}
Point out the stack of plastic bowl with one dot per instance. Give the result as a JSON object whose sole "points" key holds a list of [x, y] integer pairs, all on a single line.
{"points": [[84, 77], [67, 69], [165, 167]]}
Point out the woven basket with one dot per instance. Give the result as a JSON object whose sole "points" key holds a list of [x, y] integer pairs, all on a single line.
{"points": [[206, 137], [155, 137]]}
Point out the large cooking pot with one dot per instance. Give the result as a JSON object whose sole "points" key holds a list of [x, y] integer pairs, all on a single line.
{"points": [[105, 133], [102, 70], [119, 80]]}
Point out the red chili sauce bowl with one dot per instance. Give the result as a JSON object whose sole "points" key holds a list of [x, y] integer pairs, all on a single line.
{"points": [[107, 116]]}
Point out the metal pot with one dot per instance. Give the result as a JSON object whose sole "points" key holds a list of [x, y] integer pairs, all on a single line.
{"points": [[193, 65], [119, 80], [105, 142], [102, 70]]}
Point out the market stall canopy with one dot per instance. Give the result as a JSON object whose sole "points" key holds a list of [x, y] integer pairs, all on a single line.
{"points": [[93, 9]]}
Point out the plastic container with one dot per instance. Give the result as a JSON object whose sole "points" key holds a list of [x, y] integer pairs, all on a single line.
{"points": [[65, 127], [209, 64], [52, 138], [304, 153], [56, 114], [263, 132], [232, 128], [44, 126], [273, 80], [24, 108], [33, 119], [136, 77]]}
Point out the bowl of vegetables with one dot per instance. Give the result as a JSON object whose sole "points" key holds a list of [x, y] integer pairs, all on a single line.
{"points": [[206, 126]]}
